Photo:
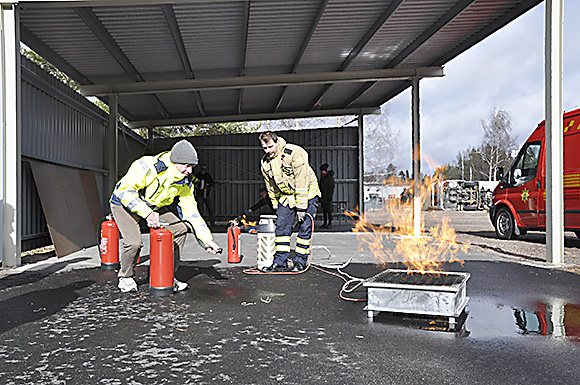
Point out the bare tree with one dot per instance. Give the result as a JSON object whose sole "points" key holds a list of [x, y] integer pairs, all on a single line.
{"points": [[380, 142], [497, 144]]}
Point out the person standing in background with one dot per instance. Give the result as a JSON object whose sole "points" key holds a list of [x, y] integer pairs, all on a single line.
{"points": [[327, 190], [205, 184]]}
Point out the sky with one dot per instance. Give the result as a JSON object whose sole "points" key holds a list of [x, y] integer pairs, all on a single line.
{"points": [[505, 71]]}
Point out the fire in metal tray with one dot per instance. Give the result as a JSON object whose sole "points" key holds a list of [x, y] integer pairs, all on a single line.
{"points": [[435, 278], [437, 294]]}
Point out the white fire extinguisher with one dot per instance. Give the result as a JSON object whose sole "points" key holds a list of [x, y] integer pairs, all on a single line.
{"points": [[266, 241]]}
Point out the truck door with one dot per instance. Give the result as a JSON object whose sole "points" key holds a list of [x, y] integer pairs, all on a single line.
{"points": [[571, 176], [523, 189]]}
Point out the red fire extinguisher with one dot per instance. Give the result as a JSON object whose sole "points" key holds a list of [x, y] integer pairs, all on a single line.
{"points": [[234, 243], [109, 244], [161, 262]]}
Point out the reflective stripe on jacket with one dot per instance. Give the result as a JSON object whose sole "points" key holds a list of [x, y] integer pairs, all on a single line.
{"points": [[153, 182], [289, 178]]}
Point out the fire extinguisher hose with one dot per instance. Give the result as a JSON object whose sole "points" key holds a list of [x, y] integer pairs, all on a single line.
{"points": [[190, 230], [232, 224]]}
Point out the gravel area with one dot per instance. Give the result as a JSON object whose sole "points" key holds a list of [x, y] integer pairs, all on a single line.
{"points": [[475, 228]]}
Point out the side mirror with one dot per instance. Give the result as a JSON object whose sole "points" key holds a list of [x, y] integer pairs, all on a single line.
{"points": [[499, 173]]}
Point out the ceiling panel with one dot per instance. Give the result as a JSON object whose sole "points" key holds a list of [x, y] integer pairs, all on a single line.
{"points": [[155, 42]]}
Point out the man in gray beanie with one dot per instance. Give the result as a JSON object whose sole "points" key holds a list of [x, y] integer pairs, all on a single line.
{"points": [[151, 185]]}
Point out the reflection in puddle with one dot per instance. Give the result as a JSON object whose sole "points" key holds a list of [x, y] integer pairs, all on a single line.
{"points": [[558, 320], [490, 319], [487, 319]]}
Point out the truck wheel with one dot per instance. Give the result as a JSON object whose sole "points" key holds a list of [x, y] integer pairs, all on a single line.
{"points": [[504, 224]]}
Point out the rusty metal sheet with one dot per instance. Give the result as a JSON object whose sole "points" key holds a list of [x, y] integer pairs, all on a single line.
{"points": [[92, 195], [68, 208]]}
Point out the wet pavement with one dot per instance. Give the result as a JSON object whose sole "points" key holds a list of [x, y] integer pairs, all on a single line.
{"points": [[64, 322]]}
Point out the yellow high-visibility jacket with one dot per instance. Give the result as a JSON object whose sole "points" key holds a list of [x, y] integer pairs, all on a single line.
{"points": [[289, 178], [153, 182]]}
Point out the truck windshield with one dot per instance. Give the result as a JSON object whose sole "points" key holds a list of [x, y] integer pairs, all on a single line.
{"points": [[526, 165]]}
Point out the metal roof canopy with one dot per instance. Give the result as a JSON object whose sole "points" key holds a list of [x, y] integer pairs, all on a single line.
{"points": [[240, 60], [178, 62]]}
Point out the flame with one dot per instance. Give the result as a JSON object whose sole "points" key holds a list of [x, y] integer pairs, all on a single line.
{"points": [[248, 223], [421, 251]]}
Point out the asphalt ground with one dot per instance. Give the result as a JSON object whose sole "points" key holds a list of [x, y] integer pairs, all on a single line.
{"points": [[63, 321]]}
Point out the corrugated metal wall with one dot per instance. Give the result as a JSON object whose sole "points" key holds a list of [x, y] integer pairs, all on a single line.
{"points": [[234, 163], [60, 126]]}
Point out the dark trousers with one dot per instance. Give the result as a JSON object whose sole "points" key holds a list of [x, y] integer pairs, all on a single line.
{"points": [[284, 222], [208, 204], [327, 212]]}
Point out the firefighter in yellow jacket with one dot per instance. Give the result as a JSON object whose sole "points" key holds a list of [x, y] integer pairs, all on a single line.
{"points": [[150, 186], [293, 189]]}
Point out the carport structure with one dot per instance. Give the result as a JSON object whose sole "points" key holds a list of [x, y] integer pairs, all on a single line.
{"points": [[187, 61]]}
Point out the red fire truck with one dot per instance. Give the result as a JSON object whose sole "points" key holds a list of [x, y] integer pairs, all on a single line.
{"points": [[519, 200]]}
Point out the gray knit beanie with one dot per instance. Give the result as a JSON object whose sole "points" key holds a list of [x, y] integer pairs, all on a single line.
{"points": [[183, 152]]}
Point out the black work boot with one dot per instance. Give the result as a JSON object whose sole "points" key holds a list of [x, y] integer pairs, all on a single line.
{"points": [[275, 268], [299, 266]]}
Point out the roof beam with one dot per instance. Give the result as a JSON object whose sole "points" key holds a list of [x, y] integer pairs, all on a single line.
{"points": [[258, 81], [38, 46], [303, 47], [107, 3], [359, 47], [92, 21], [255, 116], [418, 42], [55, 59], [244, 51], [180, 46]]}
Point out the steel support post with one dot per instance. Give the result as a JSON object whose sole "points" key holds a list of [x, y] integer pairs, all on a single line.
{"points": [[554, 133], [361, 164], [416, 158], [10, 137], [150, 139], [113, 141]]}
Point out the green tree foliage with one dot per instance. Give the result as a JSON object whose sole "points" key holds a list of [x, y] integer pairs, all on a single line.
{"points": [[48, 67], [206, 129]]}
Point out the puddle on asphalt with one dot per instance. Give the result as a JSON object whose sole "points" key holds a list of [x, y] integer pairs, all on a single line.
{"points": [[489, 319], [484, 319]]}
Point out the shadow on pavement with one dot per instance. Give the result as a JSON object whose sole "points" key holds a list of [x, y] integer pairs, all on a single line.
{"points": [[189, 270], [38, 304], [31, 276]]}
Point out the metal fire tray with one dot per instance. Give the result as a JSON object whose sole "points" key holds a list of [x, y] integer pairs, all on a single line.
{"points": [[408, 291]]}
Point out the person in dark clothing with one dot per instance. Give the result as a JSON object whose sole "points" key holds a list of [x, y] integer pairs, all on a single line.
{"points": [[204, 185], [327, 189], [264, 201], [248, 220]]}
